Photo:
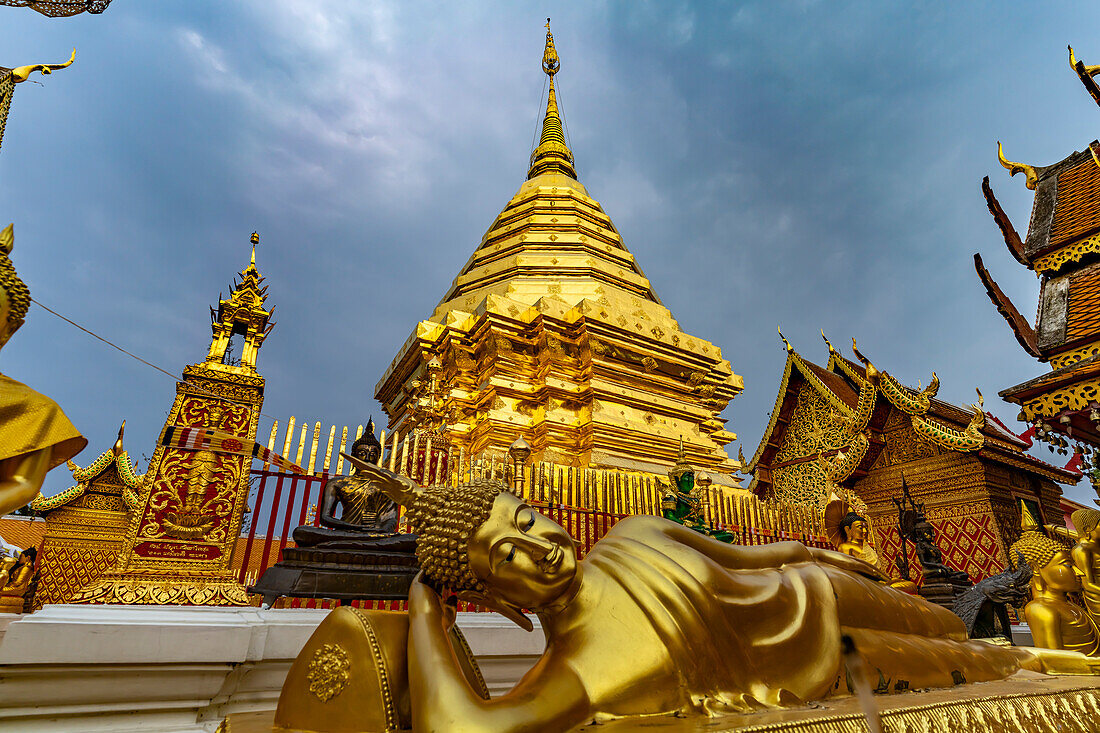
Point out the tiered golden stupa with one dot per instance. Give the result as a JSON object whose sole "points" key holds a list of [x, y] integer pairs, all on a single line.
{"points": [[552, 332]]}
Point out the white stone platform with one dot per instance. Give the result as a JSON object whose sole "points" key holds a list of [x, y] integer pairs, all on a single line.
{"points": [[171, 669]]}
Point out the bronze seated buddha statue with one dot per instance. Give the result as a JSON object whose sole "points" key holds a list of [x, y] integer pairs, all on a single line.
{"points": [[368, 517], [358, 555]]}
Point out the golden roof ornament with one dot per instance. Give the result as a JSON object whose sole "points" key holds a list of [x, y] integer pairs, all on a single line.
{"points": [[552, 154], [551, 64], [116, 449], [60, 8], [1014, 168], [790, 349], [21, 73]]}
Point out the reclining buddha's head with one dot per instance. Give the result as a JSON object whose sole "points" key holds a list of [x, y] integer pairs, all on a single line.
{"points": [[485, 544]]}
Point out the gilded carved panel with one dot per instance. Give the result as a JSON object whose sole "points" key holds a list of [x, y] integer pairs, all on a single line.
{"points": [[814, 427]]}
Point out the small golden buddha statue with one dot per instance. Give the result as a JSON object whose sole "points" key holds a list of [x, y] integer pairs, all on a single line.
{"points": [[14, 586], [1086, 558], [35, 435], [850, 534], [657, 618], [1055, 622]]}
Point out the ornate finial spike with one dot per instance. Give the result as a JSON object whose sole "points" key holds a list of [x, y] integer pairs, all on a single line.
{"points": [[1072, 60], [117, 448], [7, 239], [1014, 168], [20, 74], [551, 64], [831, 349], [981, 399], [681, 455], [255, 240], [786, 343]]}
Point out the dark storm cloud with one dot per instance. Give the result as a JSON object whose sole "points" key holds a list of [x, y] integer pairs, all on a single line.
{"points": [[813, 165]]}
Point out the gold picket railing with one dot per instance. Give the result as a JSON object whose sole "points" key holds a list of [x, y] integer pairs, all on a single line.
{"points": [[610, 494]]}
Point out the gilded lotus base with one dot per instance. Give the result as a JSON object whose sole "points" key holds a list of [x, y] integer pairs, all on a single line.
{"points": [[163, 590], [1025, 703]]}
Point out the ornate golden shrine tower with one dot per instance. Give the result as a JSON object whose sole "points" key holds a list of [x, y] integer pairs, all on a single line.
{"points": [[552, 332], [180, 540]]}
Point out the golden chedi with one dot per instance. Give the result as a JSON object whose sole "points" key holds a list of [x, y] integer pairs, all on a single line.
{"points": [[1055, 622], [552, 332], [35, 435], [712, 628]]}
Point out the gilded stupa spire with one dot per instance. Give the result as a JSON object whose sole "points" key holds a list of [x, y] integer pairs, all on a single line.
{"points": [[552, 154]]}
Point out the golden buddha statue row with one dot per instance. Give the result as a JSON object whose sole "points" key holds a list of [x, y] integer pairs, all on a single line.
{"points": [[1055, 621]]}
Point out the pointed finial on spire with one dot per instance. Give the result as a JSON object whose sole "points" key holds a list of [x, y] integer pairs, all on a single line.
{"points": [[552, 154], [255, 241], [550, 61], [117, 448]]}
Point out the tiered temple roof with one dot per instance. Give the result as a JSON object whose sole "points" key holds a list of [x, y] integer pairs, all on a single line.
{"points": [[1062, 247], [837, 413], [848, 426], [552, 332]]}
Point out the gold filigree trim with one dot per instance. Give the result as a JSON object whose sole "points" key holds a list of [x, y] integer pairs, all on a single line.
{"points": [[380, 668], [963, 441], [847, 460], [1070, 253], [329, 672], [138, 591], [1072, 357], [904, 399], [1075, 397]]}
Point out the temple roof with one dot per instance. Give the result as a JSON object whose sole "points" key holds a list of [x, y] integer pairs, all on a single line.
{"points": [[840, 384], [127, 485]]}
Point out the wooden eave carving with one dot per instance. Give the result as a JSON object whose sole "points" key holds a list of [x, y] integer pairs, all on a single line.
{"points": [[1023, 331]]}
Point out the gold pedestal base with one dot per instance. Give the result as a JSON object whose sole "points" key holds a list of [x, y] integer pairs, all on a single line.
{"points": [[167, 589], [1024, 703]]}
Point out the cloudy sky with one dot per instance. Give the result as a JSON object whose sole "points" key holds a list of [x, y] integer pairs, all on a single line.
{"points": [[805, 164]]}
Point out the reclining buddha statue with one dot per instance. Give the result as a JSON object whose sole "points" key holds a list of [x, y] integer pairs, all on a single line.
{"points": [[659, 619]]}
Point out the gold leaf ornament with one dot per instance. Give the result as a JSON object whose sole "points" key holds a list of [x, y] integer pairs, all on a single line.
{"points": [[329, 672]]}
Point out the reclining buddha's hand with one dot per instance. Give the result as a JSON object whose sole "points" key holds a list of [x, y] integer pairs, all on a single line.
{"points": [[401, 489], [847, 562]]}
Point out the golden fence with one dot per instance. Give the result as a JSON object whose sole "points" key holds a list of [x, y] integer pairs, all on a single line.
{"points": [[586, 500]]}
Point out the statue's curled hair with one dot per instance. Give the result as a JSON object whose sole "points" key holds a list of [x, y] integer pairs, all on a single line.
{"points": [[445, 518], [1085, 520], [1037, 549]]}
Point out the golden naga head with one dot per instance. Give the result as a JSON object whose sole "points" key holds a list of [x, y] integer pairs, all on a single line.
{"points": [[15, 296], [483, 543], [1014, 168], [20, 73]]}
